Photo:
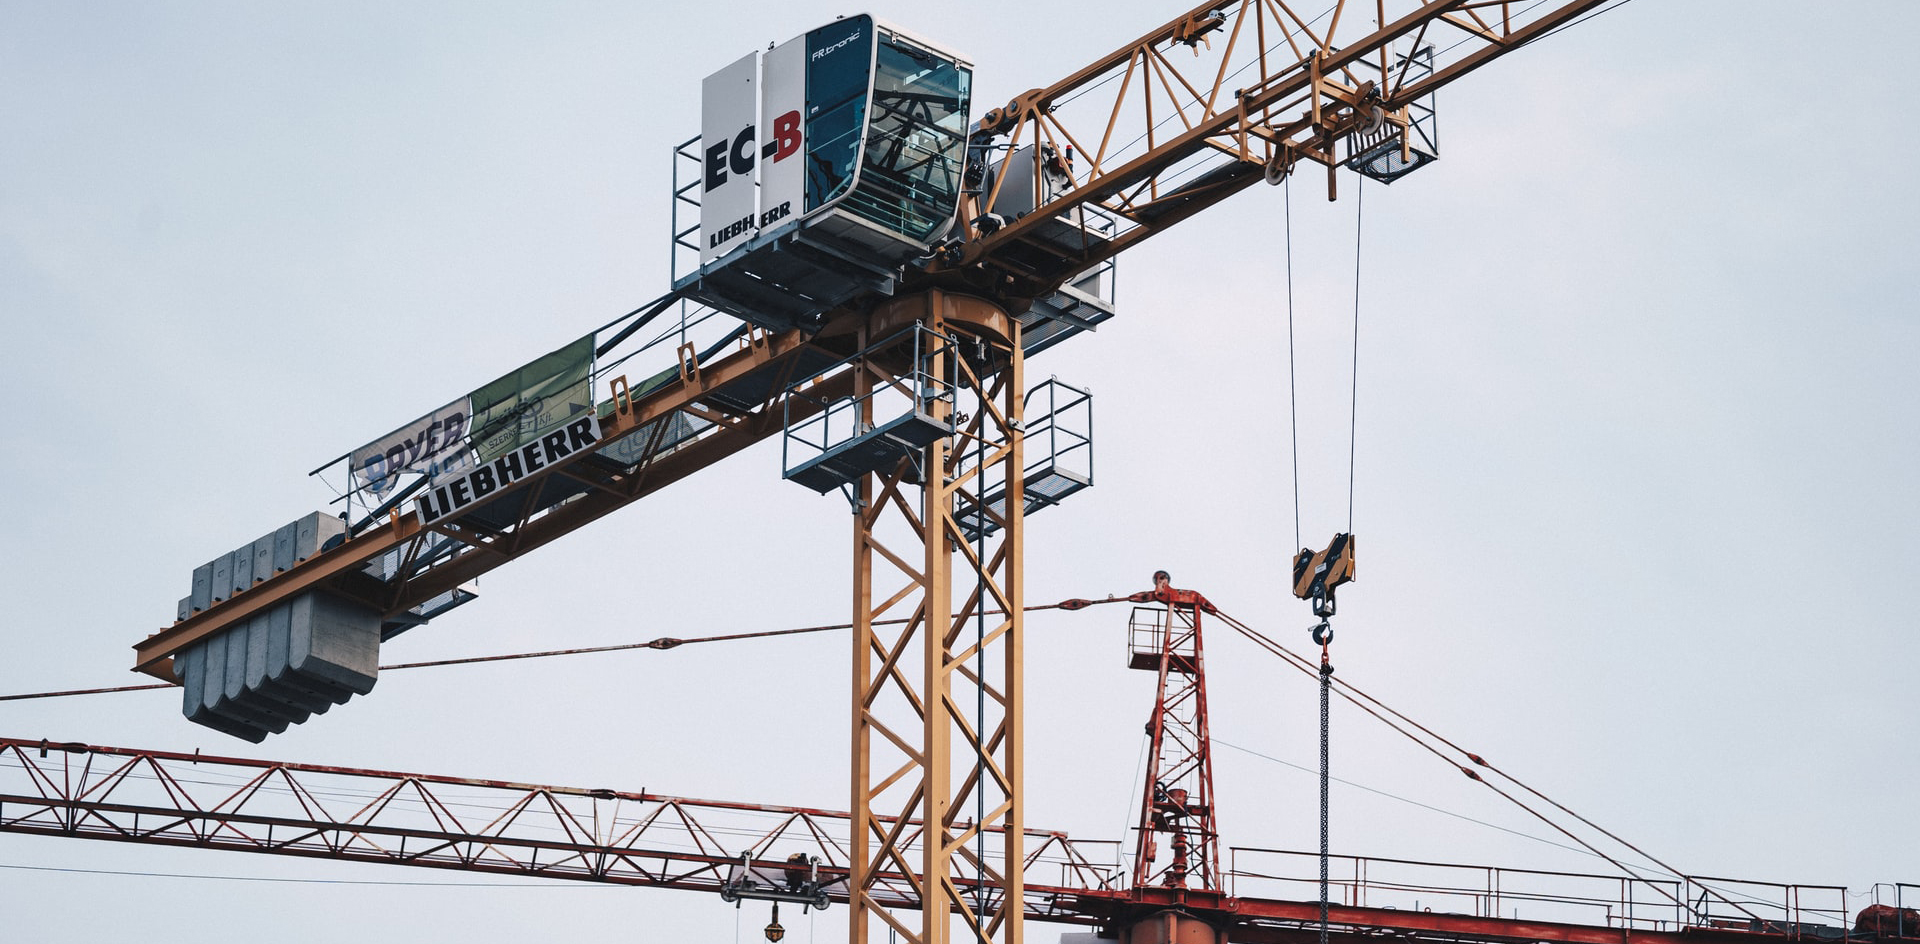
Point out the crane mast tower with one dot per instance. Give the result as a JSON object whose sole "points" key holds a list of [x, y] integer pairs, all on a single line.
{"points": [[1176, 807]]}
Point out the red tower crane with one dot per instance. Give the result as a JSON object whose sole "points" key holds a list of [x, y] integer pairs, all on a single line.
{"points": [[1176, 807]]}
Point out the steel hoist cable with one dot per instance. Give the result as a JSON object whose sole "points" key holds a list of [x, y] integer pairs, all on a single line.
{"points": [[1317, 575], [1293, 398], [1353, 392], [1323, 633]]}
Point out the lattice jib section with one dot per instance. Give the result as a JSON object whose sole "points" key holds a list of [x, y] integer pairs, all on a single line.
{"points": [[1209, 103]]}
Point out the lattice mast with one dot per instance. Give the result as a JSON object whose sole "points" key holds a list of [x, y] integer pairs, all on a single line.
{"points": [[937, 700], [1177, 843]]}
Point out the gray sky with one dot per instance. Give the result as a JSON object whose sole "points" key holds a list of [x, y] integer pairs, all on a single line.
{"points": [[1635, 438]]}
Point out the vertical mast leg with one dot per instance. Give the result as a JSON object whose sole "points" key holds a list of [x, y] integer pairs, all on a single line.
{"points": [[937, 736]]}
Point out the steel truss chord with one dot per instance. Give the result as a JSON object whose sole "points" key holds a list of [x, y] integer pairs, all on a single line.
{"points": [[473, 825]]}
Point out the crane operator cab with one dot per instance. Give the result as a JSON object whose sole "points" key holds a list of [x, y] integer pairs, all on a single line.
{"points": [[825, 164]]}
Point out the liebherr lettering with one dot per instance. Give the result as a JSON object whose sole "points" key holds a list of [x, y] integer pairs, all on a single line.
{"points": [[730, 232], [739, 227], [504, 472]]}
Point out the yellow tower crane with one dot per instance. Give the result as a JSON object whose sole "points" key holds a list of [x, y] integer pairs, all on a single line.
{"points": [[892, 282]]}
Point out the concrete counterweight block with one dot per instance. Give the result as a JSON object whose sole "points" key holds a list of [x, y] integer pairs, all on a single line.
{"points": [[263, 559], [242, 571], [267, 653], [281, 667], [222, 578], [189, 667], [223, 690], [336, 641], [202, 595], [283, 543], [315, 533]]}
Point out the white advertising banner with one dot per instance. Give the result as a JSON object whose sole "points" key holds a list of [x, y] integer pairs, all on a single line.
{"points": [[431, 445], [729, 114]]}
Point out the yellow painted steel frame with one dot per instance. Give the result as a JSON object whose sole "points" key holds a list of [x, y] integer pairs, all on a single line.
{"points": [[951, 671], [337, 570], [1218, 98]]}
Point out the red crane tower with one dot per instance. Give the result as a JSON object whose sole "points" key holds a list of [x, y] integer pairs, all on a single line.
{"points": [[1176, 806], [1176, 850]]}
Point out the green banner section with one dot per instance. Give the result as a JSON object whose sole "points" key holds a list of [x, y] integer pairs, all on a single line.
{"points": [[542, 394]]}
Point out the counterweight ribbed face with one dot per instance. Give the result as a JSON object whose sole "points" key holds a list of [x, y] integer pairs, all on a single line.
{"points": [[296, 659]]}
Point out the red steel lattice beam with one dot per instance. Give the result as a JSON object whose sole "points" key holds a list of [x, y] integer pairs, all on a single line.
{"points": [[646, 839]]}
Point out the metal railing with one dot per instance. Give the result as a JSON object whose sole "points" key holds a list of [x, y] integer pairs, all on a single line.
{"points": [[912, 391], [1060, 434], [1657, 904], [1809, 911]]}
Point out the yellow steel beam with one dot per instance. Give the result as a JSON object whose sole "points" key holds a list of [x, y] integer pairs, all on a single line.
{"points": [[336, 568], [1315, 71]]}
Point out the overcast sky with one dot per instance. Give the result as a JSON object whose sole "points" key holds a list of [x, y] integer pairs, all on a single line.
{"points": [[1634, 469]]}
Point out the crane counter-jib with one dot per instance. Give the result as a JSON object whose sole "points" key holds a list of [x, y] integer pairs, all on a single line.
{"points": [[1020, 208], [340, 569]]}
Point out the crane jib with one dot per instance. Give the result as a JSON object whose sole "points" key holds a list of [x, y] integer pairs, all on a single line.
{"points": [[503, 472]]}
